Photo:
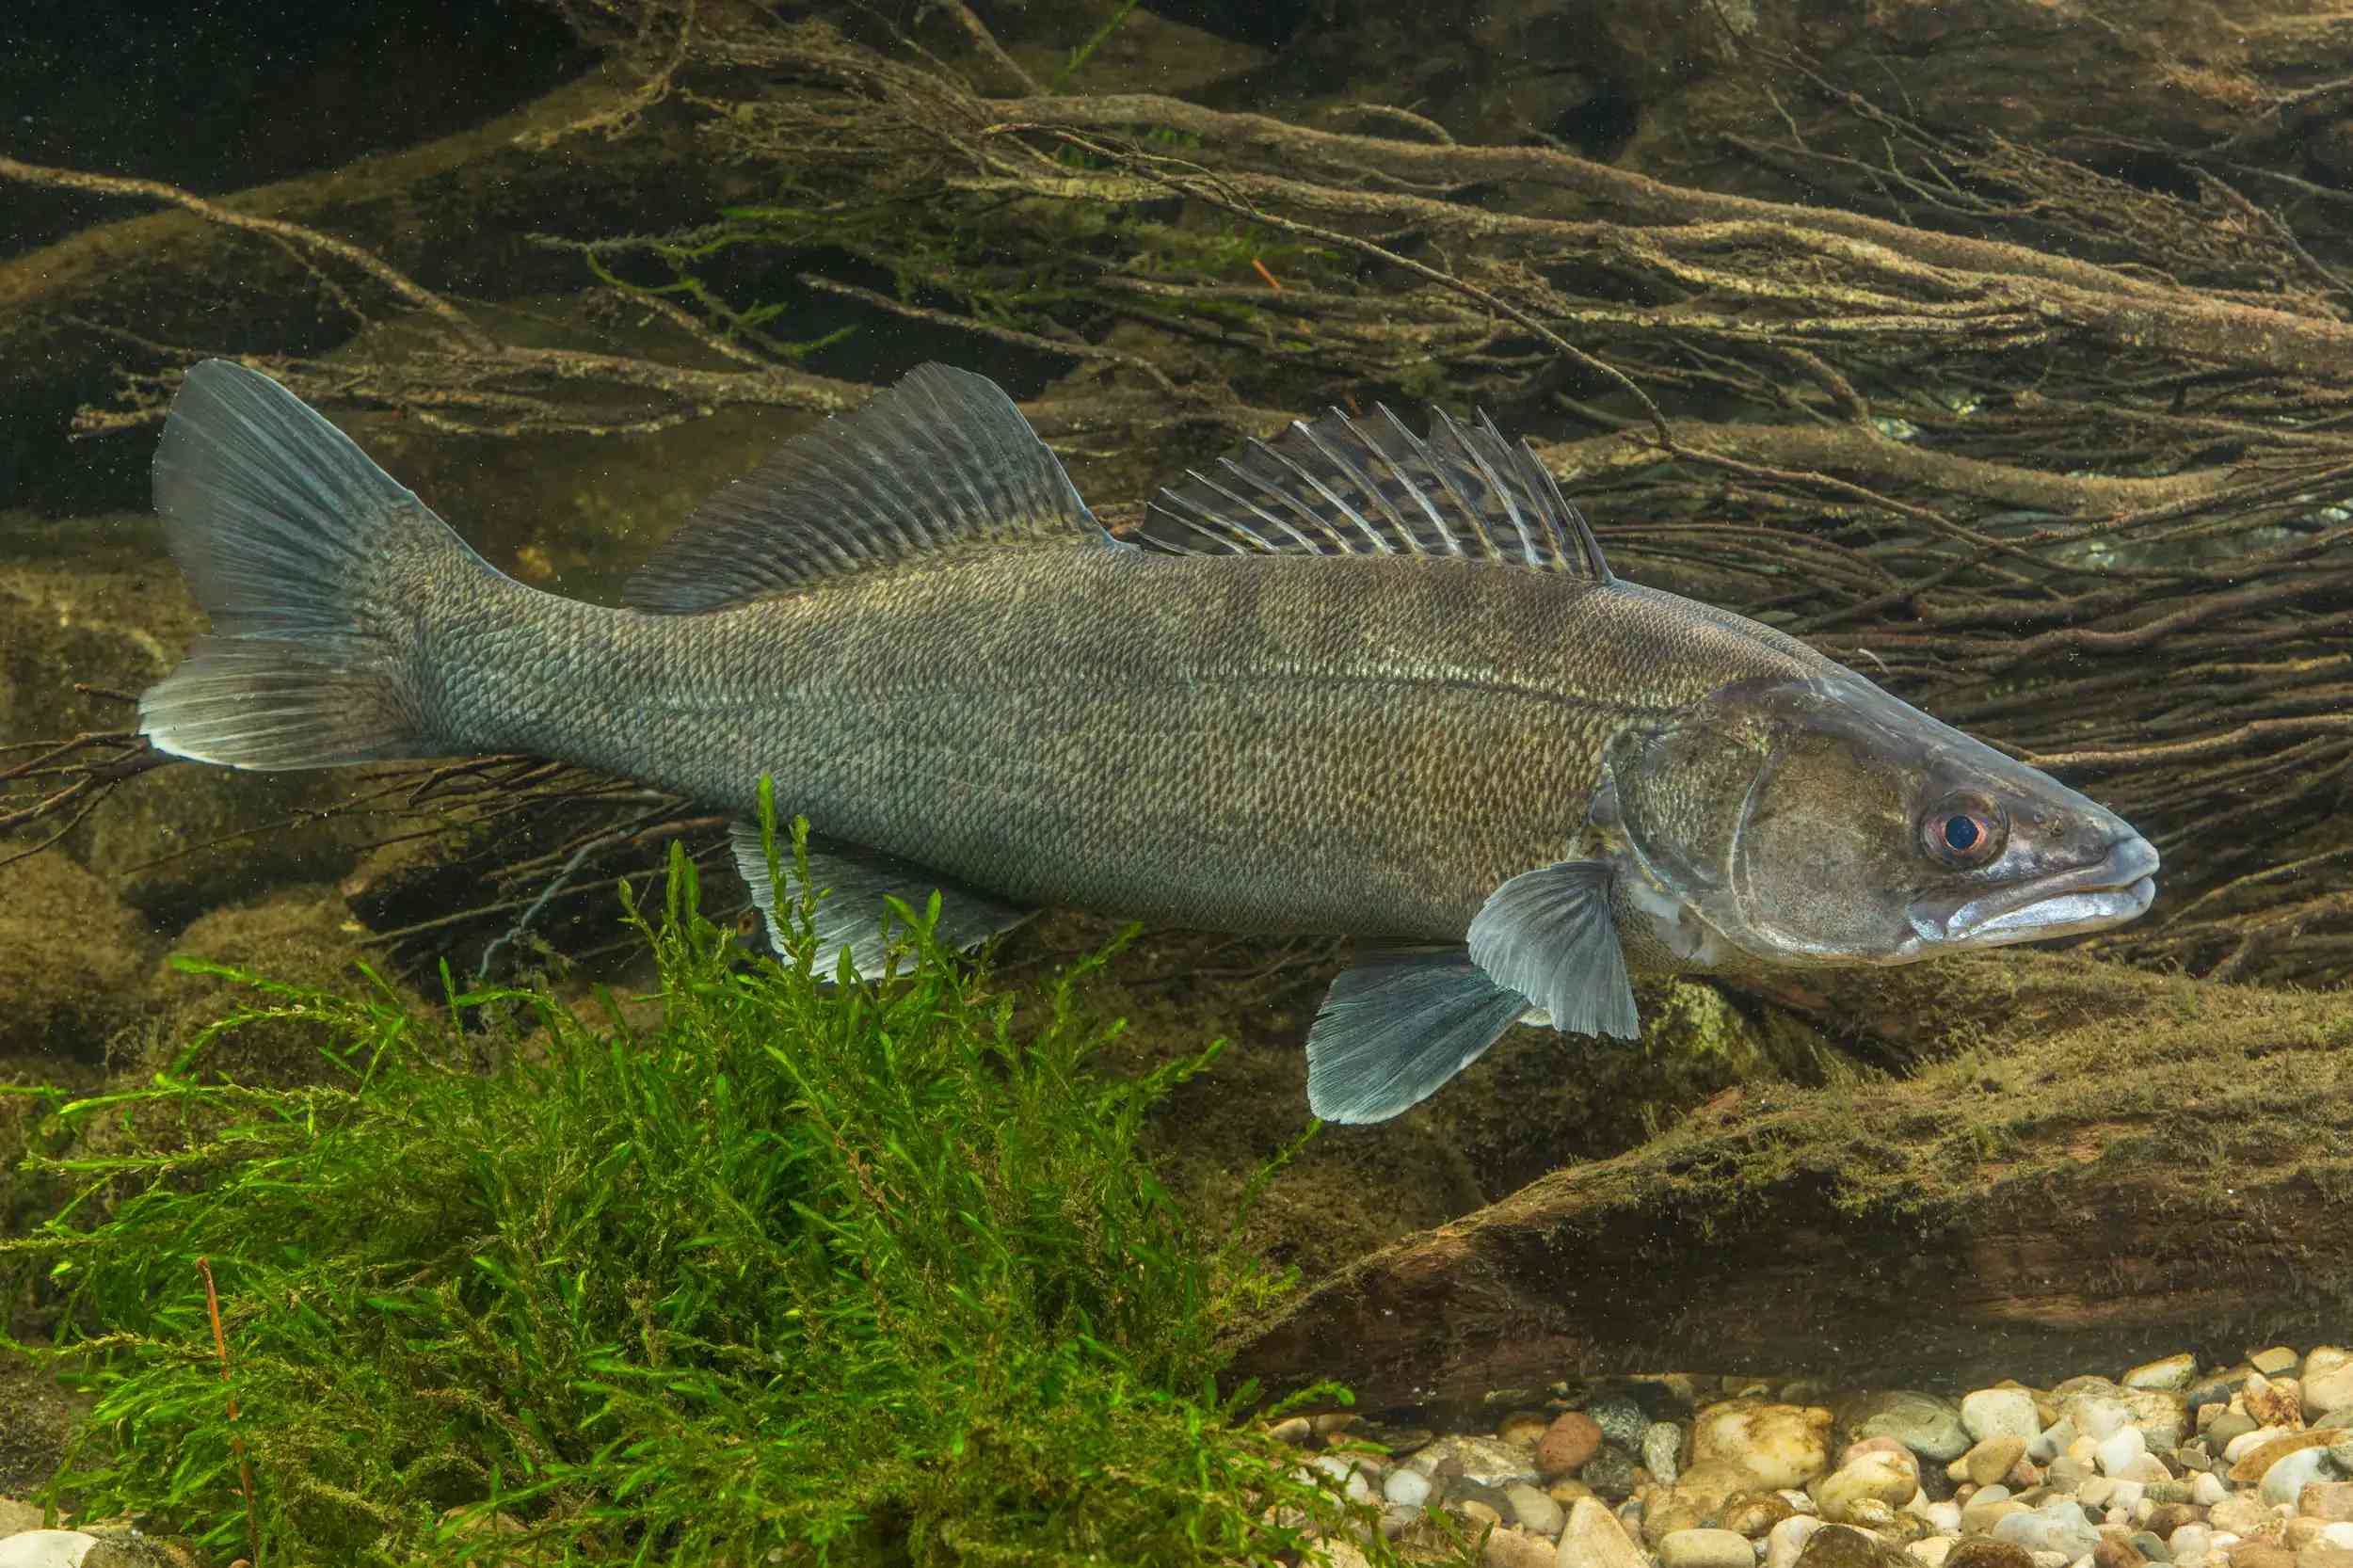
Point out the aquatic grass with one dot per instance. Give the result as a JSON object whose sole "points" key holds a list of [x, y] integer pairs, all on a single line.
{"points": [[799, 1273]]}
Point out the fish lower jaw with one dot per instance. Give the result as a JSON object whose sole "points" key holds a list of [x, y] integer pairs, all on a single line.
{"points": [[2069, 914]]}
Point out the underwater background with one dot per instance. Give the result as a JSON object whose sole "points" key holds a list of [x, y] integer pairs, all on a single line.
{"points": [[1999, 349]]}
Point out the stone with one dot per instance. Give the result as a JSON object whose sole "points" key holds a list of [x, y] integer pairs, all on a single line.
{"points": [[2166, 1518], [1592, 1538], [1662, 1451], [2149, 1470], [1510, 1549], [2285, 1483], [1755, 1513], [1523, 1429], [1931, 1552], [2217, 1386], [2226, 1429], [1706, 1548], [2000, 1413], [1787, 1539], [2119, 1448], [2240, 1514], [1840, 1547], [2189, 1540], [45, 1549], [2150, 1544], [2273, 1401], [2056, 1526], [1928, 1426], [2326, 1499], [1977, 1551], [1573, 1438], [1987, 1461], [2207, 1489], [2259, 1554], [2115, 1551], [2338, 1532], [2274, 1361], [1532, 1510], [2323, 1359], [2319, 1555], [1611, 1473], [1664, 1514], [2174, 1374], [2325, 1391], [16, 1518], [1621, 1420], [2252, 1464], [1886, 1477], [1488, 1461], [1407, 1487], [1567, 1491], [1991, 1505], [1775, 1445], [2159, 1414], [1708, 1485], [1478, 1511]]}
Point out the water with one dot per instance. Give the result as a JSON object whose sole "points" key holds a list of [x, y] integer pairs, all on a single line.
{"points": [[2003, 360]]}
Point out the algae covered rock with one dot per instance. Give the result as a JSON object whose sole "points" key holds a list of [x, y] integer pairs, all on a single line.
{"points": [[1775, 1445], [73, 959]]}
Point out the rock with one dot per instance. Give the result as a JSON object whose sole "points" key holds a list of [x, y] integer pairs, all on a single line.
{"points": [[2240, 1514], [2326, 1499], [1397, 1520], [1999, 1413], [16, 1518], [1755, 1513], [2325, 1391], [1932, 1552], [2149, 1470], [1566, 1491], [1407, 1487], [2174, 1374], [1523, 1429], [2208, 1489], [1887, 1478], [1621, 1420], [1786, 1539], [2285, 1483], [2250, 1467], [1535, 1511], [1929, 1427], [2259, 1554], [2338, 1532], [2319, 1554], [1611, 1473], [1662, 1451], [2119, 1448], [1977, 1551], [2160, 1415], [2150, 1544], [2056, 1526], [1980, 1514], [1592, 1538], [1706, 1548], [1509, 1548], [1840, 1547], [1666, 1513], [45, 1549], [1294, 1431], [1573, 1438], [1478, 1511], [1775, 1445], [2272, 1362], [2166, 1518], [2189, 1540], [1988, 1460], [1488, 1461], [2226, 1429], [2273, 1401], [2323, 1359], [2115, 1551], [1708, 1486]]}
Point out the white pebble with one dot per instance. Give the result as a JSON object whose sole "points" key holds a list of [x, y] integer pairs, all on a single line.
{"points": [[46, 1549], [2119, 1448], [1945, 1517], [2128, 1495], [1787, 1539], [2338, 1533], [1406, 1488], [2207, 1490], [2285, 1483]]}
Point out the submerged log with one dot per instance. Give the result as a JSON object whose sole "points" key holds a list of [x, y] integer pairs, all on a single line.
{"points": [[2104, 1165]]}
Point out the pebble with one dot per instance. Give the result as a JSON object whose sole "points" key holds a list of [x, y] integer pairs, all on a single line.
{"points": [[46, 1549], [1890, 1478], [1755, 1513], [1294, 1431], [2207, 1489], [2119, 1448], [2325, 1391], [1786, 1539], [1535, 1511], [1621, 1420], [1710, 1486], [1611, 1473], [1567, 1444], [1478, 1511], [1488, 1461], [1592, 1538], [2189, 1540], [2150, 1544], [1662, 1451], [2323, 1359], [1775, 1445], [2273, 1401], [2285, 1483], [1407, 1487], [2000, 1413], [1706, 1548], [1977, 1551], [2274, 1361], [2326, 1499], [1988, 1460], [2173, 1374], [1523, 1429], [1928, 1425], [1509, 1548], [2056, 1526], [2239, 1514]]}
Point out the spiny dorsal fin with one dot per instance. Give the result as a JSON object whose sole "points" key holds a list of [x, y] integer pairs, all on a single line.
{"points": [[941, 466], [1344, 486]]}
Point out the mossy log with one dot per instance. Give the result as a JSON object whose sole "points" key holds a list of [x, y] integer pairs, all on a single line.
{"points": [[2102, 1164]]}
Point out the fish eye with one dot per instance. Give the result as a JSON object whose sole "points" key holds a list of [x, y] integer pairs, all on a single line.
{"points": [[1963, 831]]}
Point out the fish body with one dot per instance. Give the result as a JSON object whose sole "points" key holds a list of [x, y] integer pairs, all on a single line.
{"points": [[1362, 685]]}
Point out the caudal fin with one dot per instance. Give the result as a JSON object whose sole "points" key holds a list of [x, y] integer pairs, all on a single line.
{"points": [[296, 546]]}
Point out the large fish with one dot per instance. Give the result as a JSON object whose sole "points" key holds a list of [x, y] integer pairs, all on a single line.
{"points": [[1349, 682]]}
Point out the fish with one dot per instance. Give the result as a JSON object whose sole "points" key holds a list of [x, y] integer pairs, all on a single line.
{"points": [[1348, 681]]}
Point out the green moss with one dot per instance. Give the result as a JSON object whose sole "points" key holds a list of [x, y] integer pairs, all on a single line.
{"points": [[798, 1274]]}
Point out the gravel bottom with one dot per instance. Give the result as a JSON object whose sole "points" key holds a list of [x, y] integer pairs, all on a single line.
{"points": [[2170, 1462]]}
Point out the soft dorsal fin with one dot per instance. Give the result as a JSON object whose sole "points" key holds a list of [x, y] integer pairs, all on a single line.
{"points": [[942, 465], [1344, 486]]}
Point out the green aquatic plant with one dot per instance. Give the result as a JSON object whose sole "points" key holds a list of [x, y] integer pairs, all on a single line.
{"points": [[798, 1273]]}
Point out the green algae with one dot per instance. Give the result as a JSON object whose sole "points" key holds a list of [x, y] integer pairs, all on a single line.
{"points": [[797, 1272]]}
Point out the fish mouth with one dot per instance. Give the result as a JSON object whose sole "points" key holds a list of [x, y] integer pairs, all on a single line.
{"points": [[2118, 888]]}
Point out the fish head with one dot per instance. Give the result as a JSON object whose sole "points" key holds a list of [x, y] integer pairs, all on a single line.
{"points": [[1816, 819]]}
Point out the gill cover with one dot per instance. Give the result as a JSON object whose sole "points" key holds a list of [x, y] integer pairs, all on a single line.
{"points": [[1814, 821]]}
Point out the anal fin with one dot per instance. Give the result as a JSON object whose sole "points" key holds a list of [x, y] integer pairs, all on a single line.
{"points": [[1397, 1026], [851, 913]]}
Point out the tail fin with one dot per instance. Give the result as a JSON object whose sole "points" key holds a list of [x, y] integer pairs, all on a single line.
{"points": [[290, 537]]}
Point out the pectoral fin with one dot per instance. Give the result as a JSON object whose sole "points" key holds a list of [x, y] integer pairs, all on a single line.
{"points": [[1397, 1026], [1548, 936], [856, 882]]}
